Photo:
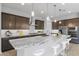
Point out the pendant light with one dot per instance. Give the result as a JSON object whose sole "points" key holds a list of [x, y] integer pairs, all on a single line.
{"points": [[60, 13], [55, 20], [32, 13], [48, 18], [48, 22]]}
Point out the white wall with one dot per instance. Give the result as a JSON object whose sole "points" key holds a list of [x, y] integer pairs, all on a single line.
{"points": [[0, 28]]}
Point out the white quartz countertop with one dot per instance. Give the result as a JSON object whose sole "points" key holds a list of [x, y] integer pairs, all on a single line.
{"points": [[37, 41]]}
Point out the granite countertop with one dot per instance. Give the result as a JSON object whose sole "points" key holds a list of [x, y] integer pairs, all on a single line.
{"points": [[38, 40], [39, 45]]}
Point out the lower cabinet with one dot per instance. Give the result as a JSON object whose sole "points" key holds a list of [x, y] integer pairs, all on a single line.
{"points": [[6, 45]]}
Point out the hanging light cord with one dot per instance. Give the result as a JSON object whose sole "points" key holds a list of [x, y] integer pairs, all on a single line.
{"points": [[32, 6], [55, 10], [47, 9]]}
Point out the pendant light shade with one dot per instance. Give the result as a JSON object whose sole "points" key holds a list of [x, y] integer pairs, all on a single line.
{"points": [[55, 20], [48, 18], [32, 14]]}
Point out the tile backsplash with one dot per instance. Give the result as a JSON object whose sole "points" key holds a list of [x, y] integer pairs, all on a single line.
{"points": [[23, 32], [18, 32]]}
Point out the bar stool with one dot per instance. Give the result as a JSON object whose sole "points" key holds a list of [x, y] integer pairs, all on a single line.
{"points": [[56, 49], [65, 45]]}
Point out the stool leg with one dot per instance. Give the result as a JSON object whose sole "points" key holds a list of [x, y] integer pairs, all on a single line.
{"points": [[55, 51], [63, 53]]}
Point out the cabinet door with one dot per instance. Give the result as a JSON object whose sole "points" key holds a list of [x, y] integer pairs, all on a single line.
{"points": [[22, 23], [11, 22], [60, 24], [39, 24], [54, 25], [6, 45], [8, 21], [3, 21]]}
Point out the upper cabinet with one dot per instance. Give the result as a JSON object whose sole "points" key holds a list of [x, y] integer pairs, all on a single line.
{"points": [[22, 23], [10, 21], [39, 24], [54, 25], [68, 22]]}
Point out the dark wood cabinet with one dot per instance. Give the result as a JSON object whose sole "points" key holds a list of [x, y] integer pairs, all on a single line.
{"points": [[6, 45], [22, 23], [3, 20], [39, 24], [68, 22], [54, 25], [10, 21]]}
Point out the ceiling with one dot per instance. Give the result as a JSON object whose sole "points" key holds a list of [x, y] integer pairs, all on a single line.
{"points": [[44, 9]]}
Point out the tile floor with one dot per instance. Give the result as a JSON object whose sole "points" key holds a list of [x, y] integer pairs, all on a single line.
{"points": [[73, 51]]}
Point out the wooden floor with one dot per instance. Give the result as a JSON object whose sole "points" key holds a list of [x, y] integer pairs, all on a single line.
{"points": [[9, 53], [73, 51]]}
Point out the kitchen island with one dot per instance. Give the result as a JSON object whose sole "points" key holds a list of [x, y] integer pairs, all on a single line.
{"points": [[40, 45], [6, 44]]}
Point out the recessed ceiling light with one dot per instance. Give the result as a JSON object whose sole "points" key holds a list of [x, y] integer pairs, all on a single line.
{"points": [[42, 12], [48, 18], [69, 11], [55, 21], [22, 3], [51, 16], [60, 22], [63, 3]]}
